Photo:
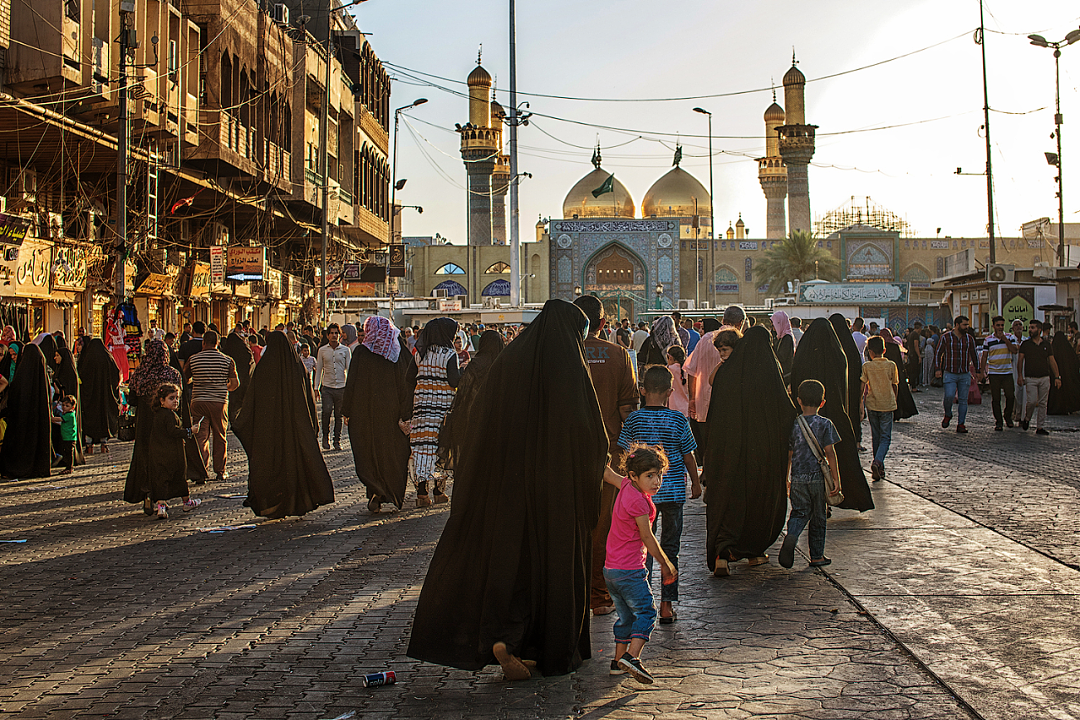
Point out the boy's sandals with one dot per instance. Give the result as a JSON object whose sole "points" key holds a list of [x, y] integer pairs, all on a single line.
{"points": [[755, 561], [512, 666], [721, 568]]}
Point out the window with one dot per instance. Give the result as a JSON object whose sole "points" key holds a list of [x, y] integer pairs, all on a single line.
{"points": [[450, 269], [497, 269]]}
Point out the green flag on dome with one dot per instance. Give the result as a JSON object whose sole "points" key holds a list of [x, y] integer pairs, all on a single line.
{"points": [[606, 187]]}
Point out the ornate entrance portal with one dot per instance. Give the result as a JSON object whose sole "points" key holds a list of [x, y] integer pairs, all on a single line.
{"points": [[617, 277]]}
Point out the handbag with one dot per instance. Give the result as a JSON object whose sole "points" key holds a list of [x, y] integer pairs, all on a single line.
{"points": [[833, 494]]}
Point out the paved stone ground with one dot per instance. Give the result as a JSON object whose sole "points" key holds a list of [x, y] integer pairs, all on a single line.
{"points": [[106, 613]]}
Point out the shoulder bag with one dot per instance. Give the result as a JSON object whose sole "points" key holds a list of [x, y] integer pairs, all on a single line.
{"points": [[833, 495]]}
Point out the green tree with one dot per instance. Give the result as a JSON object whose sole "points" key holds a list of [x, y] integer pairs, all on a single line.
{"points": [[797, 257]]}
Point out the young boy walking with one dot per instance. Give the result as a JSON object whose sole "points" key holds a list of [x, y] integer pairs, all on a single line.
{"points": [[68, 433], [880, 382], [656, 424], [806, 488]]}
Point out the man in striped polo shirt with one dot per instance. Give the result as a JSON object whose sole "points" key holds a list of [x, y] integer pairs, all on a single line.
{"points": [[997, 364], [213, 375]]}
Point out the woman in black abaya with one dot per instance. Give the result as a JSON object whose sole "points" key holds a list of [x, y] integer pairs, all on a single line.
{"points": [[66, 378], [1066, 399], [785, 342], [750, 421], [27, 450], [100, 393], [454, 431], [905, 401], [512, 566], [662, 335], [276, 426], [853, 402], [143, 383], [236, 348], [377, 408], [820, 357]]}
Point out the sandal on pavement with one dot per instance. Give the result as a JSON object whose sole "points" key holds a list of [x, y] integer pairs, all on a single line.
{"points": [[721, 568], [759, 560], [512, 666], [669, 619], [147, 506], [374, 505], [422, 501], [820, 562], [787, 552]]}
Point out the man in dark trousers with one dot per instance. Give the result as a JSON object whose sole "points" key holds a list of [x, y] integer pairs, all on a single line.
{"points": [[1037, 370]]}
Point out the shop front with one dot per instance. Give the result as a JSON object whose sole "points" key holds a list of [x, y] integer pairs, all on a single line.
{"points": [[194, 294]]}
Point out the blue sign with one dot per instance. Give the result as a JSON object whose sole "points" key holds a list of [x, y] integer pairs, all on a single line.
{"points": [[452, 288], [498, 288]]}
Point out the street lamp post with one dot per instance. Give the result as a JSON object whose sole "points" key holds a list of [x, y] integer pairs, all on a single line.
{"points": [[1040, 41], [712, 211], [659, 295], [393, 193]]}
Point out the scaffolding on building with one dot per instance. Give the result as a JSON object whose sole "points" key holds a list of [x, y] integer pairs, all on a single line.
{"points": [[864, 212]]}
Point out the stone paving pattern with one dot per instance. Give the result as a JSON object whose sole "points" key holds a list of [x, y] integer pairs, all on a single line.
{"points": [[107, 613]]}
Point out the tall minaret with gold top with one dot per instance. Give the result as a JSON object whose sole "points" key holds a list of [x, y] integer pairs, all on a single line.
{"points": [[772, 174], [797, 148], [480, 150]]}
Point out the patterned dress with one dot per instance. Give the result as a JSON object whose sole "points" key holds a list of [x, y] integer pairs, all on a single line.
{"points": [[431, 401]]}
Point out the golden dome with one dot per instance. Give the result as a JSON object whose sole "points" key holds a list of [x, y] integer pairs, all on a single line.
{"points": [[674, 194], [794, 76], [774, 113], [497, 112], [580, 201], [479, 76]]}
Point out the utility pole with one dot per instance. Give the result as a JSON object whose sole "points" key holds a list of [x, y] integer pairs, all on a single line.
{"points": [[986, 127], [128, 43], [325, 169], [515, 239]]}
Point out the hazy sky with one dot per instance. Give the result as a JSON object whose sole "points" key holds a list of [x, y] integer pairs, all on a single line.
{"points": [[640, 51]]}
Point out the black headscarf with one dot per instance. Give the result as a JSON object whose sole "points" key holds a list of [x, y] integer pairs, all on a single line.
{"points": [[379, 394], [439, 332], [286, 471], [854, 371], [821, 357], [49, 350], [241, 353], [455, 426], [514, 558], [710, 324], [1066, 399], [750, 421], [100, 390], [27, 449]]}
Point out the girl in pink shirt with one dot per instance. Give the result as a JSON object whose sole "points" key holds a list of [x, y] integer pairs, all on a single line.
{"points": [[628, 541], [680, 398]]}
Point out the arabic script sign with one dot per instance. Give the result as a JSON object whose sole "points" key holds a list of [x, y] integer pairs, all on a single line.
{"points": [[850, 293], [614, 226]]}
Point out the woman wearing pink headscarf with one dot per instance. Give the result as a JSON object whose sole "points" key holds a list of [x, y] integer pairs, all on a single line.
{"points": [[7, 336], [784, 344]]}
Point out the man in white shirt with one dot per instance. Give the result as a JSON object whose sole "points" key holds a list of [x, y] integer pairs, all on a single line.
{"points": [[640, 335], [796, 329], [155, 333], [857, 326], [331, 370]]}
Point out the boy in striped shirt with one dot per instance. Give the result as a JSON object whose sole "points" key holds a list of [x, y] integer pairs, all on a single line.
{"points": [[656, 424]]}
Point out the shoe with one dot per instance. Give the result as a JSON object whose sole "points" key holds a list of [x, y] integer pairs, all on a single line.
{"points": [[604, 610], [68, 471], [220, 477], [147, 507], [1024, 424], [787, 552], [1008, 423], [670, 619], [325, 444], [946, 420], [862, 448], [1040, 431], [162, 511], [759, 560], [512, 666], [721, 568], [961, 428], [616, 668], [821, 563], [441, 498], [633, 666], [998, 427], [422, 501], [877, 471], [191, 503], [337, 446], [104, 449], [374, 505]]}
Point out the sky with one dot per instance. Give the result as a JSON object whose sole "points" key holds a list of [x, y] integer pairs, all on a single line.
{"points": [[895, 132]]}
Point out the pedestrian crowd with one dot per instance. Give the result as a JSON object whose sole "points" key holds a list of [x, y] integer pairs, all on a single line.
{"points": [[571, 446]]}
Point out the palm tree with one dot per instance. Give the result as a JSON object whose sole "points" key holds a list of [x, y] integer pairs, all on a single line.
{"points": [[797, 257]]}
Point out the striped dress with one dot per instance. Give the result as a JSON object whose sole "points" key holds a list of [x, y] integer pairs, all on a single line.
{"points": [[431, 401]]}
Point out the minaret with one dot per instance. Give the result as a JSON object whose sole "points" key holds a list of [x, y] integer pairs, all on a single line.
{"points": [[773, 175], [796, 147], [500, 180], [480, 151]]}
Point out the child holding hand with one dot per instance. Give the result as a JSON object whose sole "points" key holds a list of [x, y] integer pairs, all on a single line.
{"points": [[68, 433], [629, 540], [168, 461]]}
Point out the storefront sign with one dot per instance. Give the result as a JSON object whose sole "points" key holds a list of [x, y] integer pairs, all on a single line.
{"points": [[397, 261], [246, 263], [217, 264], [350, 271], [854, 293], [296, 289], [360, 289], [1018, 304], [71, 268], [448, 305], [273, 283], [32, 269], [156, 285], [198, 274], [13, 229]]}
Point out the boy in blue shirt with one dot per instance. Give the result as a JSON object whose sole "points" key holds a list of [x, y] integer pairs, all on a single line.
{"points": [[806, 488], [656, 424]]}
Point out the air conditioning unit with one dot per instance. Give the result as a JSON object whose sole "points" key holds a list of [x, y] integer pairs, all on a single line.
{"points": [[440, 293], [1001, 273], [279, 13], [686, 304], [491, 303], [99, 78], [704, 305], [22, 184]]}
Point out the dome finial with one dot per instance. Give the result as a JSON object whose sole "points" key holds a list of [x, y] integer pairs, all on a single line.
{"points": [[596, 155], [772, 82], [678, 155], [480, 53], [794, 62]]}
